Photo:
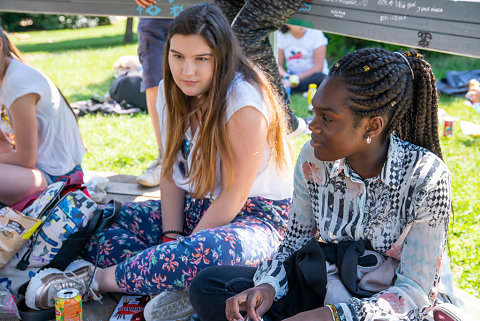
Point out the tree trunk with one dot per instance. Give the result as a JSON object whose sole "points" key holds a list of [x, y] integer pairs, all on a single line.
{"points": [[128, 37]]}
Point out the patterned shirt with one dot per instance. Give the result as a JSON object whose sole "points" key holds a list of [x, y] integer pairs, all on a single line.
{"points": [[403, 213]]}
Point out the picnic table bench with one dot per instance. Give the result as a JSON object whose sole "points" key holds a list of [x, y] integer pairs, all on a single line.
{"points": [[451, 26]]}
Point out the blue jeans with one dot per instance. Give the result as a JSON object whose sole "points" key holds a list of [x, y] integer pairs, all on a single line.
{"points": [[52, 178]]}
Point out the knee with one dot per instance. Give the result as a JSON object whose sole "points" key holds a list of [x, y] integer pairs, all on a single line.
{"points": [[200, 283]]}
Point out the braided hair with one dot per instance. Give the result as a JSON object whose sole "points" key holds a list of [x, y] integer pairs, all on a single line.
{"points": [[398, 86]]}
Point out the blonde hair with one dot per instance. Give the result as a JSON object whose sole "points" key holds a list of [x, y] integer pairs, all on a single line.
{"points": [[209, 22]]}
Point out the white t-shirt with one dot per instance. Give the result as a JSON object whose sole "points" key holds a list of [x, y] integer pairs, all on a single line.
{"points": [[60, 146], [299, 51], [270, 182]]}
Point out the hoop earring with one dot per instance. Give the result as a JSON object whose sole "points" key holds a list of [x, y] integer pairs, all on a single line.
{"points": [[369, 140]]}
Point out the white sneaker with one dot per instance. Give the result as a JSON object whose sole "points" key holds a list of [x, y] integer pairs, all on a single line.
{"points": [[44, 286], [302, 129], [448, 312], [169, 306], [151, 175]]}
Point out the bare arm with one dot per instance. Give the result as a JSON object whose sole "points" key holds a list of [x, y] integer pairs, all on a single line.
{"points": [[281, 59], [4, 144], [319, 55], [173, 200], [24, 122], [247, 135], [145, 3]]}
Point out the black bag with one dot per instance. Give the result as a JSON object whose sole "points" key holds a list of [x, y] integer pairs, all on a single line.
{"points": [[307, 275], [126, 91]]}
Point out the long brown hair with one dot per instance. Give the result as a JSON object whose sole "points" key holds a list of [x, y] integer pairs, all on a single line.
{"points": [[209, 22], [9, 49], [400, 86]]}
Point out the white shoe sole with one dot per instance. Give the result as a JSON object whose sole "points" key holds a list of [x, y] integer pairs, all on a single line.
{"points": [[178, 309], [34, 284]]}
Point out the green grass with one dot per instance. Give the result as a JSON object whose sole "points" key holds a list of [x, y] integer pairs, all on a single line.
{"points": [[80, 62]]}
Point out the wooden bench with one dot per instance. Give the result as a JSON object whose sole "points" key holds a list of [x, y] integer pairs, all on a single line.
{"points": [[124, 188], [449, 26]]}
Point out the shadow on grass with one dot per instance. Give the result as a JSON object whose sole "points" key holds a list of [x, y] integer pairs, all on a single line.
{"points": [[470, 141], [99, 89], [83, 43]]}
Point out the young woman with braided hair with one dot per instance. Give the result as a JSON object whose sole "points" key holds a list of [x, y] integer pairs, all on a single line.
{"points": [[371, 179]]}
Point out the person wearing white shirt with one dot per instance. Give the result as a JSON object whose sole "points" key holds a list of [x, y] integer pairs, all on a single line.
{"points": [[303, 52]]}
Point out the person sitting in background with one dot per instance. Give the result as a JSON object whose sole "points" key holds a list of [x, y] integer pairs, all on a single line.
{"points": [[372, 176], [39, 135], [303, 51], [227, 177]]}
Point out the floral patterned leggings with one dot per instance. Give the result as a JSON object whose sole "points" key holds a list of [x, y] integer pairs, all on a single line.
{"points": [[146, 267]]}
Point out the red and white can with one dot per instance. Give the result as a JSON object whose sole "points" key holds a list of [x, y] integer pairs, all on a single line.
{"points": [[448, 127]]}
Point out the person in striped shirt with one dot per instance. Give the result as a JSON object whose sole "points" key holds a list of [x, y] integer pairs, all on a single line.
{"points": [[372, 171]]}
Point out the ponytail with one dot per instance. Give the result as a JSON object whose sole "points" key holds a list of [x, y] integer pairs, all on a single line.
{"points": [[399, 86]]}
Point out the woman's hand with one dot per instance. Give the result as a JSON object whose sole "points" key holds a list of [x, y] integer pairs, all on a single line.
{"points": [[256, 301], [145, 3], [320, 314]]}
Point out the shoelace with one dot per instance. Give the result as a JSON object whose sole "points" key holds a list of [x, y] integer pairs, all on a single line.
{"points": [[82, 282], [152, 166]]}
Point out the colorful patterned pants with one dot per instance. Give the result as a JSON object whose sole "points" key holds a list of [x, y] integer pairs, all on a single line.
{"points": [[146, 267]]}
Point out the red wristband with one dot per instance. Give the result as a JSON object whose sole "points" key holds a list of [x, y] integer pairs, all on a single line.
{"points": [[165, 239]]}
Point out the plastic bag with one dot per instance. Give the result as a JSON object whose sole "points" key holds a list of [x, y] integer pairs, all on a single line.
{"points": [[8, 306]]}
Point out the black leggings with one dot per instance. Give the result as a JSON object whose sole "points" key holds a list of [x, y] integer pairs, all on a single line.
{"points": [[214, 285]]}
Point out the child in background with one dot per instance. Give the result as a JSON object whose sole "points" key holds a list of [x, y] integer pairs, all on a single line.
{"points": [[303, 51]]}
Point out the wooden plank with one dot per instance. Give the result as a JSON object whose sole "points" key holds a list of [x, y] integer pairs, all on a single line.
{"points": [[95, 311], [442, 25], [163, 8], [472, 304], [132, 189], [124, 188]]}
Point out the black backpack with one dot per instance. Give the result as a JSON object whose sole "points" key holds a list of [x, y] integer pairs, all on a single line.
{"points": [[126, 91]]}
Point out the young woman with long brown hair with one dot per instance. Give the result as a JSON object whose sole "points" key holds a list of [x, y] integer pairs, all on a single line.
{"points": [[227, 171], [39, 136]]}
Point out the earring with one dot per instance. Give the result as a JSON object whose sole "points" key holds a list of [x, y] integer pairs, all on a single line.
{"points": [[369, 140]]}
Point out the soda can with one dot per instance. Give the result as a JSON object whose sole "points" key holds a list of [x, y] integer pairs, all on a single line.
{"points": [[448, 127], [294, 80], [68, 305]]}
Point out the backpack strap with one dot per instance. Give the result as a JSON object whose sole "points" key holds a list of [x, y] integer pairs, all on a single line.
{"points": [[75, 243]]}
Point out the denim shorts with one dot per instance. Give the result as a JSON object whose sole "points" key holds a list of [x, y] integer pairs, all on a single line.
{"points": [[152, 35], [52, 178]]}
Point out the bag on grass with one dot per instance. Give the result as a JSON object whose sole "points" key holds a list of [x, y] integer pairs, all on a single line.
{"points": [[125, 90], [15, 229], [64, 210]]}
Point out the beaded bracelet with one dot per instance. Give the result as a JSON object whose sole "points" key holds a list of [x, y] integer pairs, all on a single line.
{"points": [[334, 312], [172, 231]]}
